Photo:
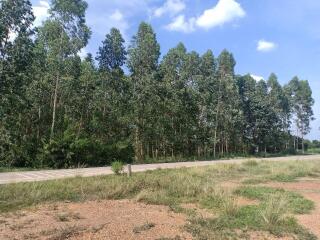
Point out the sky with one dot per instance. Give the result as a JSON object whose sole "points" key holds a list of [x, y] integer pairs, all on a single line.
{"points": [[264, 36]]}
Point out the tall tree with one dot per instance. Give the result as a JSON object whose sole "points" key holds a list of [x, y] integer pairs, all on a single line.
{"points": [[64, 34], [16, 46], [228, 111], [144, 53], [302, 102]]}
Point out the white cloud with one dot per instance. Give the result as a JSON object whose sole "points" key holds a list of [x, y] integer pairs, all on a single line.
{"points": [[40, 12], [225, 11], [116, 16], [170, 7], [118, 20], [180, 24], [83, 53], [256, 77], [265, 46], [102, 23]]}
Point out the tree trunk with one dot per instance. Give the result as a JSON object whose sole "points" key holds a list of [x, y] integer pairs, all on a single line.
{"points": [[55, 99]]}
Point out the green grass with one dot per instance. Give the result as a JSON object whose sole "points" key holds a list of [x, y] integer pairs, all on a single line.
{"points": [[201, 186], [4, 169], [297, 204]]}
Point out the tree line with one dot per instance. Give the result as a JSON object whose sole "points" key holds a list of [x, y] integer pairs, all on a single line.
{"points": [[58, 110]]}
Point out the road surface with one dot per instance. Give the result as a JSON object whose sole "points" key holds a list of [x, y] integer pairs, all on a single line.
{"points": [[42, 175]]}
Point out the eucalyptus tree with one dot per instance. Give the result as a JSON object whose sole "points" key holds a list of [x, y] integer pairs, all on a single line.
{"points": [[144, 52], [64, 34], [302, 102], [227, 113], [171, 88], [207, 102], [113, 87], [16, 19]]}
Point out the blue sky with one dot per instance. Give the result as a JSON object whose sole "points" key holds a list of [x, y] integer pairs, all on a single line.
{"points": [[280, 36]]}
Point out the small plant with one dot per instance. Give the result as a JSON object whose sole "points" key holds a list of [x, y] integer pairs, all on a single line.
{"points": [[251, 163], [144, 227], [117, 167], [63, 217], [275, 210], [230, 206]]}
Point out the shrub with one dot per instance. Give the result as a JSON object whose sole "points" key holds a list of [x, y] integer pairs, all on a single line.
{"points": [[117, 167]]}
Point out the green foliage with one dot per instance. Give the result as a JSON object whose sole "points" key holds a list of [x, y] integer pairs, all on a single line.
{"points": [[117, 167], [296, 203], [186, 106]]}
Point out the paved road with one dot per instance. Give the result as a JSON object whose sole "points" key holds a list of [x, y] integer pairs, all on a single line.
{"points": [[31, 176]]}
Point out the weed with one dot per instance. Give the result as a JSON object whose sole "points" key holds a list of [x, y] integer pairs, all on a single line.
{"points": [[275, 209], [296, 203], [250, 163], [117, 167], [144, 227]]}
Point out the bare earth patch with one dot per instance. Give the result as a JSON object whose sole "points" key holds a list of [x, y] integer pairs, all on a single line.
{"points": [[116, 220], [266, 236], [310, 189]]}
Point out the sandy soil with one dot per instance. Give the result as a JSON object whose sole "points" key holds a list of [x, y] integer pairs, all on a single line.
{"points": [[310, 189], [116, 220]]}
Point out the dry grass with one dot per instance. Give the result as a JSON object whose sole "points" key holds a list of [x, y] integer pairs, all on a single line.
{"points": [[201, 186]]}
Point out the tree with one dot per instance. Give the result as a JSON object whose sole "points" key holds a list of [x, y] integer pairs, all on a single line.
{"points": [[113, 87], [64, 34], [227, 112], [112, 53], [16, 46], [302, 102], [144, 53]]}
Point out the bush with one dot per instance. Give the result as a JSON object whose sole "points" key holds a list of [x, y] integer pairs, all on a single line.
{"points": [[117, 167], [69, 151]]}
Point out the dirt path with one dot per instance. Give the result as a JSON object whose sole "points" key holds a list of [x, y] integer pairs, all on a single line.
{"points": [[310, 189], [116, 220], [31, 176]]}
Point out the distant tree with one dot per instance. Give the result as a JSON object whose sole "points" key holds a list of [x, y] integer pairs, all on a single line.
{"points": [[302, 102]]}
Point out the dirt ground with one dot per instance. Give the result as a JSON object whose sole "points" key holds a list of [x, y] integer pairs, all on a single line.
{"points": [[310, 189], [116, 220], [130, 220]]}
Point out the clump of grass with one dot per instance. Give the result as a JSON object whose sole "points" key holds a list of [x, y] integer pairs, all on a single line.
{"points": [[275, 209], [253, 181], [250, 163], [117, 167], [144, 227], [63, 217], [297, 204], [221, 201]]}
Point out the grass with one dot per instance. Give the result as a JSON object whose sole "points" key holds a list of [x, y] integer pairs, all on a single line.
{"points": [[202, 186], [144, 227], [296, 203]]}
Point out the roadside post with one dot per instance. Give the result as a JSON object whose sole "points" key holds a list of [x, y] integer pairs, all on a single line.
{"points": [[129, 170]]}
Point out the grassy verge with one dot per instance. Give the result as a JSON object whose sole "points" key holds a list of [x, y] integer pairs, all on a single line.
{"points": [[201, 186]]}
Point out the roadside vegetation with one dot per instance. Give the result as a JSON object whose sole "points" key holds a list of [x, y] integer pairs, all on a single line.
{"points": [[215, 189]]}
